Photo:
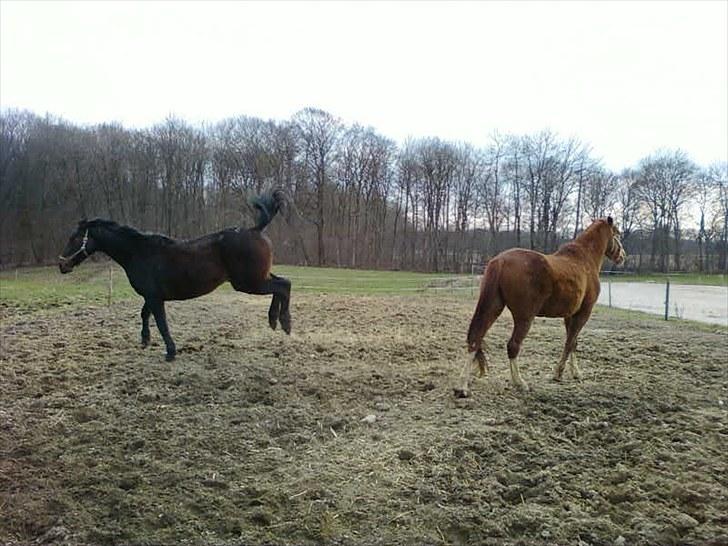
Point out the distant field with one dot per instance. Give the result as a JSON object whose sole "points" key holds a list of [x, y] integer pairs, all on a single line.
{"points": [[102, 283], [98, 283], [355, 281]]}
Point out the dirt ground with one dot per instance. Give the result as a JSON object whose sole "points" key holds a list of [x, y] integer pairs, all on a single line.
{"points": [[252, 437]]}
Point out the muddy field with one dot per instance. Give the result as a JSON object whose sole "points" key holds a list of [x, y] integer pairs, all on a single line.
{"points": [[252, 437]]}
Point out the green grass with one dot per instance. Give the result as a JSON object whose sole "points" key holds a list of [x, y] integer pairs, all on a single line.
{"points": [[675, 278], [355, 281], [31, 289], [45, 288]]}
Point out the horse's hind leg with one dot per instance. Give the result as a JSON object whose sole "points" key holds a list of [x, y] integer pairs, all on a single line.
{"points": [[281, 290], [160, 316], [283, 287], [486, 313], [274, 311], [146, 311]]}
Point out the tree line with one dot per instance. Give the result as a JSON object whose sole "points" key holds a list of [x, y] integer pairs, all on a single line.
{"points": [[359, 199]]}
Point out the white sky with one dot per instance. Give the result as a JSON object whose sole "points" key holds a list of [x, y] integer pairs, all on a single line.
{"points": [[627, 77]]}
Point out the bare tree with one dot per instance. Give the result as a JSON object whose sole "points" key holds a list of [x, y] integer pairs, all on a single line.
{"points": [[437, 161], [468, 177], [319, 134], [718, 175], [491, 180], [663, 184], [356, 196], [600, 192]]}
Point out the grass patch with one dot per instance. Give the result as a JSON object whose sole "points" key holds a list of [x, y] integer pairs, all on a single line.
{"points": [[37, 288], [104, 282], [356, 281]]}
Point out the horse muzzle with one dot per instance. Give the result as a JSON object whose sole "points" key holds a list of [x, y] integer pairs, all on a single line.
{"points": [[65, 266]]}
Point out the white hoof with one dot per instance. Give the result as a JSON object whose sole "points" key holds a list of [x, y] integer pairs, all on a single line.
{"points": [[523, 386]]}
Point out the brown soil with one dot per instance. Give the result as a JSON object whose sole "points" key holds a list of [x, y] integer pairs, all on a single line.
{"points": [[252, 437]]}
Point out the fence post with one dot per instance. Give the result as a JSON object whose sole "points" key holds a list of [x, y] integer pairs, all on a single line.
{"points": [[609, 280], [472, 277], [667, 299], [111, 285]]}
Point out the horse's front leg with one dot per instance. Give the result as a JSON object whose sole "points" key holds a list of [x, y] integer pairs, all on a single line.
{"points": [[573, 324], [160, 316], [146, 311], [520, 330]]}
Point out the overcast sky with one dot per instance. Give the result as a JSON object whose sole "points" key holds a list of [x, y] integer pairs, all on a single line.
{"points": [[627, 77]]}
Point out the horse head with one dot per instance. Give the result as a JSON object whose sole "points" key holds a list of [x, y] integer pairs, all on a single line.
{"points": [[615, 250], [79, 247]]}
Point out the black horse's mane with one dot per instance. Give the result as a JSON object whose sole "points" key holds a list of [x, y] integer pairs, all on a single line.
{"points": [[128, 231]]}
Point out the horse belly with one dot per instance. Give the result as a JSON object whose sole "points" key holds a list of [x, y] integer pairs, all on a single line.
{"points": [[561, 308], [562, 303], [194, 280]]}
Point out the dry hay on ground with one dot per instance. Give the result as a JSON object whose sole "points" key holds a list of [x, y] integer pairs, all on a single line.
{"points": [[251, 437]]}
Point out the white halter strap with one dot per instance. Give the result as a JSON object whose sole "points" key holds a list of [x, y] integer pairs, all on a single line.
{"points": [[81, 249]]}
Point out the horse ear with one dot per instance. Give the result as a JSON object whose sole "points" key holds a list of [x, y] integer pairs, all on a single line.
{"points": [[82, 222], [610, 221]]}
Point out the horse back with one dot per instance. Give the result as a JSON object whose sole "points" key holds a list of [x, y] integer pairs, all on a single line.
{"points": [[534, 284]]}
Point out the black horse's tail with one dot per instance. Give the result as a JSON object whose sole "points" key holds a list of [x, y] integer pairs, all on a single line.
{"points": [[266, 206]]}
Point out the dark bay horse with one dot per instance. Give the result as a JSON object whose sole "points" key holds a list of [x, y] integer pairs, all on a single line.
{"points": [[564, 284], [161, 269]]}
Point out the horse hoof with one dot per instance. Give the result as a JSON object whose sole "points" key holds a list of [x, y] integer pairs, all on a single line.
{"points": [[286, 325], [523, 387], [169, 358], [145, 343], [460, 393], [273, 323]]}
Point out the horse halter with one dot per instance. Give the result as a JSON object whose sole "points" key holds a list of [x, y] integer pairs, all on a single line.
{"points": [[615, 250], [82, 248]]}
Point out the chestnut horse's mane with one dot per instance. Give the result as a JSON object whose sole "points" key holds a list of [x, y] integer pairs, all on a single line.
{"points": [[586, 239]]}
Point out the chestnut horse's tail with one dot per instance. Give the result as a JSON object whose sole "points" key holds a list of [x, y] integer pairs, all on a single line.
{"points": [[490, 305], [266, 206]]}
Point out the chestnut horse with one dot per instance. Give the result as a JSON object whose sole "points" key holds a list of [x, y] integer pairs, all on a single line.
{"points": [[162, 269], [563, 284]]}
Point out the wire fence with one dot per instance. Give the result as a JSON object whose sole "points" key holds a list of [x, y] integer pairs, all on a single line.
{"points": [[668, 295], [668, 298]]}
